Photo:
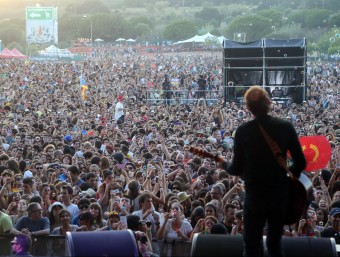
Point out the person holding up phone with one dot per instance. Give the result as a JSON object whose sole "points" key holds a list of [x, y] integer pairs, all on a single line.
{"points": [[148, 212], [203, 226]]}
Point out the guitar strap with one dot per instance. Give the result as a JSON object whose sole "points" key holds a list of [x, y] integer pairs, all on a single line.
{"points": [[276, 150]]}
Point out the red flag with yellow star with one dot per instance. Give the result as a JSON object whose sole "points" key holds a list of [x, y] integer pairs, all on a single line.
{"points": [[317, 151]]}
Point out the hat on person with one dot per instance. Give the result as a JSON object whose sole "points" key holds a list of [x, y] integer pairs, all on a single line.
{"points": [[200, 132], [5, 146], [90, 192], [55, 204], [334, 211], [120, 98], [337, 132], [68, 138], [182, 196], [28, 174]]}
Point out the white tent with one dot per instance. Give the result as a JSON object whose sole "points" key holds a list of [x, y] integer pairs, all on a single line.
{"points": [[53, 51], [202, 39], [130, 40], [120, 39]]}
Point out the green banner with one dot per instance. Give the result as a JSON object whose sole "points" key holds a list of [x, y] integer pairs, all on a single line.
{"points": [[39, 13]]}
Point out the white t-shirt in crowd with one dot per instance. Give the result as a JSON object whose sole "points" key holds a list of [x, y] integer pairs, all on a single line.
{"points": [[172, 234], [73, 209], [119, 111]]}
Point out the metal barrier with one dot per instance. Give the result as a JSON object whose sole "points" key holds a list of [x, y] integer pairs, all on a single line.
{"points": [[213, 245], [173, 97], [53, 245], [49, 245]]}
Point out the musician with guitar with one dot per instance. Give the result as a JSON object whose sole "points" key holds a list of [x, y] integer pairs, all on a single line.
{"points": [[260, 151]]}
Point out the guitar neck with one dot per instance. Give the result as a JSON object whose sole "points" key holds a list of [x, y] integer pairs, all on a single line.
{"points": [[203, 153]]}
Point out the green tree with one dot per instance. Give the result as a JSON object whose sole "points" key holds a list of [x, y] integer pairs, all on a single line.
{"points": [[208, 13], [334, 20], [103, 25], [12, 34], [297, 17], [315, 18], [141, 19], [70, 28], [141, 29], [255, 27], [322, 4], [275, 15], [92, 6], [180, 30], [161, 6]]}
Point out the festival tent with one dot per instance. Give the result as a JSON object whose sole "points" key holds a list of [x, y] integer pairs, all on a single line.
{"points": [[53, 51], [17, 53], [120, 39], [99, 41], [131, 40], [202, 39], [6, 53]]}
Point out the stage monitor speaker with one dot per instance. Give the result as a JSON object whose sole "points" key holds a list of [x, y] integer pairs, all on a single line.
{"points": [[102, 243], [216, 245], [307, 246], [226, 245]]}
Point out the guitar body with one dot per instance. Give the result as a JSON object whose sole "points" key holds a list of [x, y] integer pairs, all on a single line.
{"points": [[301, 191]]}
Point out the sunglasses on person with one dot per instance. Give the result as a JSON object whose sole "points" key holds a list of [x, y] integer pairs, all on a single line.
{"points": [[83, 207]]}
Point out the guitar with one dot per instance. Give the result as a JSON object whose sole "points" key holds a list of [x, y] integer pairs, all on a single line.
{"points": [[203, 153], [301, 189]]}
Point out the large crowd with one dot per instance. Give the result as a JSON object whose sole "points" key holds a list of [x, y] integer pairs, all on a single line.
{"points": [[115, 157]]}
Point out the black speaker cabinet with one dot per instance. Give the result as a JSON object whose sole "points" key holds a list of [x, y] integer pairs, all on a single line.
{"points": [[102, 243], [226, 245], [216, 245]]}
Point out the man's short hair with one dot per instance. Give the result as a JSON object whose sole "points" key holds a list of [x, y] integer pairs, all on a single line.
{"points": [[90, 175], [257, 100], [133, 222], [28, 181], [143, 197], [36, 199], [74, 169], [68, 188], [32, 206]]}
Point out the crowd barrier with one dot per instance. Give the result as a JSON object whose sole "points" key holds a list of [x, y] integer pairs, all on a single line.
{"points": [[111, 243], [53, 245], [154, 96]]}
